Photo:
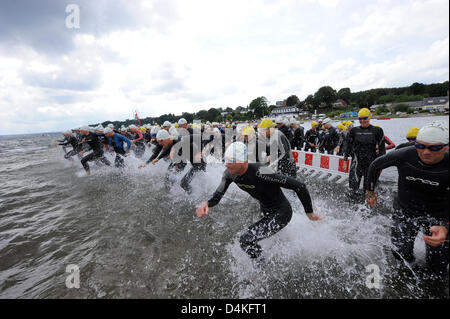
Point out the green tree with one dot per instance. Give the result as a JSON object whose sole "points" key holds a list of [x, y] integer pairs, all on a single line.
{"points": [[311, 102], [345, 94], [326, 95], [259, 107], [293, 100], [212, 114], [202, 115]]}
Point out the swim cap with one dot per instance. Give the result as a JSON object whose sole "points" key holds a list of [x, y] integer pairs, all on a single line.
{"points": [[162, 135], [107, 130], [314, 123], [412, 132], [435, 132], [182, 121], [132, 126], [326, 121], [155, 130], [340, 126], [85, 128], [173, 131], [248, 130], [292, 121], [266, 123], [237, 151], [68, 132], [166, 123], [365, 112]]}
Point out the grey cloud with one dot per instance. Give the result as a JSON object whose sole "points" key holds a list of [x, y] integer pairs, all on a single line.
{"points": [[41, 24], [65, 80]]}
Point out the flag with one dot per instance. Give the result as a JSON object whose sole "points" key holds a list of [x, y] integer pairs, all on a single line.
{"points": [[136, 117]]}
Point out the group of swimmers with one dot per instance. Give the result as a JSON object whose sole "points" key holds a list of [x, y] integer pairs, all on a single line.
{"points": [[258, 159]]}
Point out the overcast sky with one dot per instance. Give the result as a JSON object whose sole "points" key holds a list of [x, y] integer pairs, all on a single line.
{"points": [[164, 56]]}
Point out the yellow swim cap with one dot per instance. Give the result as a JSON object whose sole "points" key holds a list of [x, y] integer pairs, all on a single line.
{"points": [[266, 123], [143, 129], [341, 126], [248, 130], [176, 125], [412, 132], [314, 123], [365, 112]]}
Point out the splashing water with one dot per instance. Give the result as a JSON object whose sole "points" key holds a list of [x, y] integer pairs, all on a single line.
{"points": [[131, 237]]}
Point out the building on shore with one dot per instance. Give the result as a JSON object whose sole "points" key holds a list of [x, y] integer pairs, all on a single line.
{"points": [[440, 103], [285, 111]]}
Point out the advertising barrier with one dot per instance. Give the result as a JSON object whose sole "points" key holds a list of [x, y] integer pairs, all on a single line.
{"points": [[324, 166]]}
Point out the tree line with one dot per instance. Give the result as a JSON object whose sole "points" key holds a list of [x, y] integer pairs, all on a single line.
{"points": [[322, 99]]}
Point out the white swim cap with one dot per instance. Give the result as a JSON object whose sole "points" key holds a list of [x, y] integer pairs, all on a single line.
{"points": [[182, 121], [111, 125], [326, 121], [162, 135], [85, 128], [132, 126], [435, 132], [237, 151], [107, 130], [166, 123], [155, 130], [173, 131]]}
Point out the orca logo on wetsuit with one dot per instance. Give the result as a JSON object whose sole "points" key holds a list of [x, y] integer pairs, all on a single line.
{"points": [[410, 178]]}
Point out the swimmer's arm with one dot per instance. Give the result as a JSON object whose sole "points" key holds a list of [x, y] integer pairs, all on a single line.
{"points": [[156, 151], [382, 162], [220, 191]]}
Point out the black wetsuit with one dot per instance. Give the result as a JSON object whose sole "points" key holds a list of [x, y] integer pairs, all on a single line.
{"points": [[139, 149], [286, 130], [298, 139], [422, 202], [97, 151], [404, 145], [343, 139], [362, 146], [313, 137], [179, 162], [330, 140], [286, 164], [72, 140], [275, 208]]}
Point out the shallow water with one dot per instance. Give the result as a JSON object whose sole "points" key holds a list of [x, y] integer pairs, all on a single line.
{"points": [[131, 238]]}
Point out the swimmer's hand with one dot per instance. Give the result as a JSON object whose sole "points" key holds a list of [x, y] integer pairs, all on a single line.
{"points": [[142, 165], [371, 199], [202, 210], [439, 234], [314, 216]]}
